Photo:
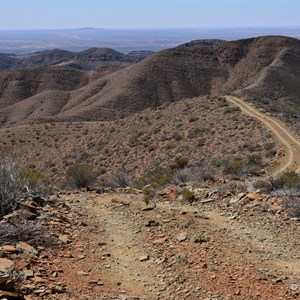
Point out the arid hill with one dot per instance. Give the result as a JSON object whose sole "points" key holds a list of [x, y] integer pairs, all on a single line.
{"points": [[210, 133], [90, 59], [16, 86], [265, 68]]}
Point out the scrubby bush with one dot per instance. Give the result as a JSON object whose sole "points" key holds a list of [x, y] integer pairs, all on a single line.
{"points": [[231, 109], [208, 175], [36, 181], [238, 167], [159, 177], [287, 184], [119, 179], [292, 206], [80, 175], [11, 183], [289, 180], [16, 182], [188, 195], [149, 193], [181, 162]]}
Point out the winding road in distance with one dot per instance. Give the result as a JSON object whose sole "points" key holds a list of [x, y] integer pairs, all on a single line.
{"points": [[283, 137]]}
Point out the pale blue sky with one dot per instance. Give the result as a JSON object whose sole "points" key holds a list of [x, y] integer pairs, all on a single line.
{"points": [[55, 14]]}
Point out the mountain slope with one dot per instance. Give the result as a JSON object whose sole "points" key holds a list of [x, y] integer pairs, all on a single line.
{"points": [[243, 67]]}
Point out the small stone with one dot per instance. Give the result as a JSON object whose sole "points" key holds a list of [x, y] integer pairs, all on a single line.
{"points": [[28, 273], [26, 249], [144, 258], [29, 287], [181, 237], [6, 267], [8, 295], [64, 238], [81, 273], [102, 244], [93, 281], [59, 289], [55, 274], [21, 264], [241, 195], [151, 223], [9, 248], [39, 291], [254, 196], [159, 241]]}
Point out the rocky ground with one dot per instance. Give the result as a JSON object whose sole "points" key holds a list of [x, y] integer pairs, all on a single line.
{"points": [[113, 246]]}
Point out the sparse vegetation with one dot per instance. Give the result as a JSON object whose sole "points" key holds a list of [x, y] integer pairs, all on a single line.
{"points": [[16, 182], [139, 147], [36, 181], [159, 177], [80, 175], [238, 167], [11, 183], [188, 195], [181, 162], [291, 205], [287, 183], [119, 179]]}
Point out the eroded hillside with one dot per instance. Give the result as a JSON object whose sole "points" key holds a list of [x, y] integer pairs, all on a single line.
{"points": [[264, 68]]}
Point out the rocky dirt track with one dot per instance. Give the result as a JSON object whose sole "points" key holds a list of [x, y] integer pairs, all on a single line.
{"points": [[231, 248]]}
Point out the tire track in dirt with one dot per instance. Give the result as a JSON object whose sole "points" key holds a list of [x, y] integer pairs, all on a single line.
{"points": [[287, 140]]}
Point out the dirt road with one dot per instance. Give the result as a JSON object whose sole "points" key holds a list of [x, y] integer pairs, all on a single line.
{"points": [[283, 136], [178, 251]]}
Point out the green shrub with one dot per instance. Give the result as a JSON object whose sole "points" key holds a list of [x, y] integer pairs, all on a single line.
{"points": [[292, 206], [288, 180], [207, 175], [36, 181], [11, 184], [177, 137], [216, 162], [231, 109], [238, 167], [181, 162], [119, 179], [188, 195], [149, 193], [159, 177], [80, 175]]}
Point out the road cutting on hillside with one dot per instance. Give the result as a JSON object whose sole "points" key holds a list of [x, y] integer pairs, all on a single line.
{"points": [[289, 142]]}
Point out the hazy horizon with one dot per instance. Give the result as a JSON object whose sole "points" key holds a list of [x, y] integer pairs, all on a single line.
{"points": [[124, 40], [125, 25], [147, 14]]}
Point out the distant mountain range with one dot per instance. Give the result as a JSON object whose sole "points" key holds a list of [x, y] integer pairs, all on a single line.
{"points": [[264, 69], [90, 59]]}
